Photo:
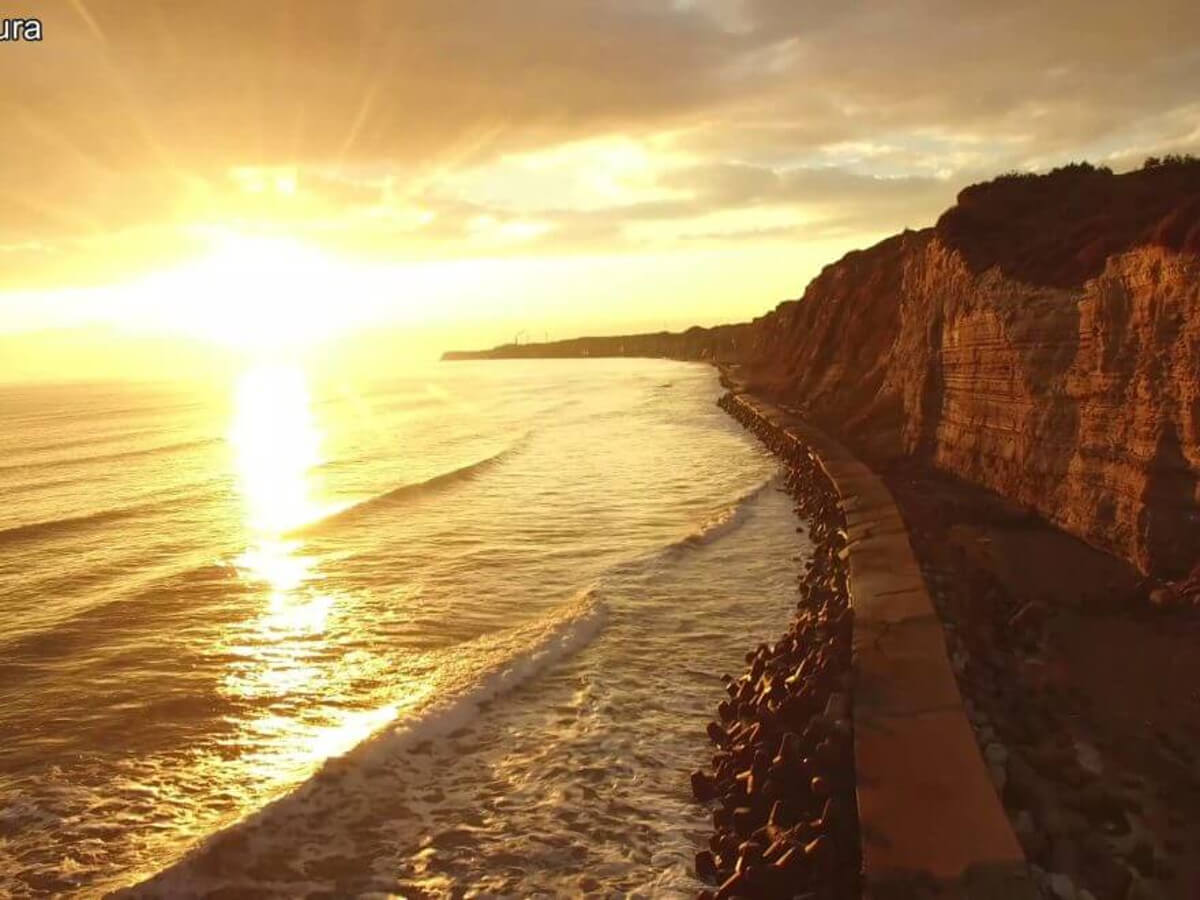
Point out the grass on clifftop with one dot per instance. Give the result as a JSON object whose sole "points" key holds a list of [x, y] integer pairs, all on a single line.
{"points": [[1059, 228]]}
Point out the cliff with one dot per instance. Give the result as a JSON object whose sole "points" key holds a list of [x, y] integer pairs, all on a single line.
{"points": [[1043, 341], [1082, 404]]}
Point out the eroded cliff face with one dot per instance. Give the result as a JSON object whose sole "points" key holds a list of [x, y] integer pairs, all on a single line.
{"points": [[1081, 404]]}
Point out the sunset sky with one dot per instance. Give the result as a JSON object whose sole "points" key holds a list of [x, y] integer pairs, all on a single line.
{"points": [[241, 174]]}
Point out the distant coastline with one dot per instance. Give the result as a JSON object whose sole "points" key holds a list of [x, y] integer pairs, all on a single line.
{"points": [[717, 344]]}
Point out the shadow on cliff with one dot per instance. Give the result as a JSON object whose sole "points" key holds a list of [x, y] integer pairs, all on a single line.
{"points": [[1169, 524]]}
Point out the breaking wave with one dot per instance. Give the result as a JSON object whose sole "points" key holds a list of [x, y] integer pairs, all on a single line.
{"points": [[475, 674], [727, 520]]}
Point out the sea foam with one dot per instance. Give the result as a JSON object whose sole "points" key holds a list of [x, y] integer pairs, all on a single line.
{"points": [[477, 673]]}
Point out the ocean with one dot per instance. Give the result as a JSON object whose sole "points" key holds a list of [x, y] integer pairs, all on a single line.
{"points": [[451, 633]]}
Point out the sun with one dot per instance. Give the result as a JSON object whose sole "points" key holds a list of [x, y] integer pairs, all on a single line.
{"points": [[256, 293], [269, 295]]}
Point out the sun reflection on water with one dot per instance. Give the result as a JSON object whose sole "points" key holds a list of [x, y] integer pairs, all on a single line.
{"points": [[287, 663], [277, 444]]}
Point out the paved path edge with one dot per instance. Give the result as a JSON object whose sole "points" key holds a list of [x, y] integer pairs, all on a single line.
{"points": [[931, 821]]}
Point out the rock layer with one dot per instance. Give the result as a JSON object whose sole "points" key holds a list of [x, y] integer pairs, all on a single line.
{"points": [[1081, 404]]}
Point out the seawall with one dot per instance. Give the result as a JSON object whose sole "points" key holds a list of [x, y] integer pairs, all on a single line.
{"points": [[929, 817]]}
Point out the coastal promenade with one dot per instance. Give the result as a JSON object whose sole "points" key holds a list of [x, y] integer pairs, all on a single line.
{"points": [[931, 822]]}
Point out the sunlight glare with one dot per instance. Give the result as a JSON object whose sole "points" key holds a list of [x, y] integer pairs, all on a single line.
{"points": [[282, 651], [256, 293], [277, 444]]}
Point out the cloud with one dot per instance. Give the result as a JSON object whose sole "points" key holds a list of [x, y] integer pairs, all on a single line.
{"points": [[397, 127]]}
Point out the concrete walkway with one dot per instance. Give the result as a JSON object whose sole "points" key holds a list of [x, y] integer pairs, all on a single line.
{"points": [[928, 811]]}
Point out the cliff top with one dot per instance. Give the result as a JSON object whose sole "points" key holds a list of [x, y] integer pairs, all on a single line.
{"points": [[1058, 229]]}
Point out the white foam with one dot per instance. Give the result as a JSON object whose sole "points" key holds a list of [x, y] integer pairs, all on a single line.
{"points": [[478, 672], [509, 659], [727, 520]]}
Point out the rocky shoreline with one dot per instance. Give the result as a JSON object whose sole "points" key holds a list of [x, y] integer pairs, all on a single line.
{"points": [[1102, 789], [1090, 761], [781, 784]]}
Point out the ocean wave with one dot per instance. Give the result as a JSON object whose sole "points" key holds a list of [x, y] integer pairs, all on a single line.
{"points": [[35, 531], [32, 487], [108, 437], [722, 523], [109, 457], [403, 492], [473, 675], [727, 520], [47, 633], [345, 792]]}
